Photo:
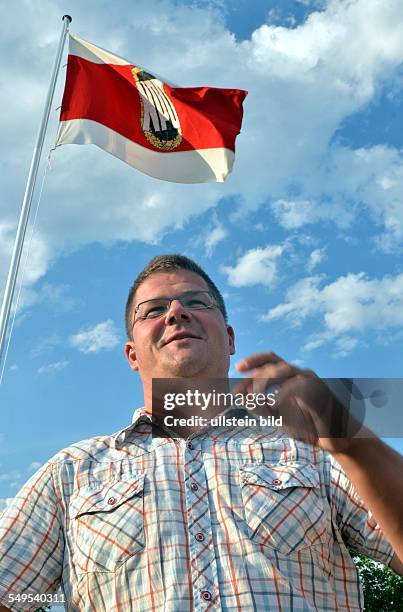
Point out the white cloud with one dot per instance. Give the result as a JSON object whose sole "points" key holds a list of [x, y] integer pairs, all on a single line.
{"points": [[370, 179], [35, 259], [57, 296], [352, 181], [35, 465], [4, 502], [53, 368], [216, 235], [294, 214], [345, 308], [315, 258], [255, 266], [98, 338], [314, 3], [345, 345], [304, 82], [45, 345], [6, 245]]}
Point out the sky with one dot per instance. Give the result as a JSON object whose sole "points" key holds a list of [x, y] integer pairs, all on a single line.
{"points": [[304, 238]]}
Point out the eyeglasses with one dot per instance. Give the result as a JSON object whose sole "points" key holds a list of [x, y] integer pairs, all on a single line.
{"points": [[158, 307]]}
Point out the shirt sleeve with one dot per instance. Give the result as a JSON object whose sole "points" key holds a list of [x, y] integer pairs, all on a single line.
{"points": [[355, 522], [31, 543]]}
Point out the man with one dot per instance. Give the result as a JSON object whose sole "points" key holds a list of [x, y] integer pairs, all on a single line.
{"points": [[222, 521]]}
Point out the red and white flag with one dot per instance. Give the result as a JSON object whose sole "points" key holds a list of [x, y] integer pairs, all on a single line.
{"points": [[179, 134]]}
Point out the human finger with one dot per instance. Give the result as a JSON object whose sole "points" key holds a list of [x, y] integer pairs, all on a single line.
{"points": [[256, 360], [272, 375]]}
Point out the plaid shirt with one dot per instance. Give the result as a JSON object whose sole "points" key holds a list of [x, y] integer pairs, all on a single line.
{"points": [[224, 521]]}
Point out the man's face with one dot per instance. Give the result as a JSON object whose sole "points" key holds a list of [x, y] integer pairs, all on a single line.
{"points": [[181, 343]]}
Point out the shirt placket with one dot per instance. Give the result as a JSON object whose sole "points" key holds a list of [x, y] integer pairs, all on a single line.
{"points": [[201, 545]]}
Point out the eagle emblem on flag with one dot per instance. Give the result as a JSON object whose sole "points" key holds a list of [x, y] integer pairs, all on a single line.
{"points": [[159, 120]]}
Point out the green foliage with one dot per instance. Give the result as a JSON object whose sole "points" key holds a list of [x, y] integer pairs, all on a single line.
{"points": [[383, 589]]}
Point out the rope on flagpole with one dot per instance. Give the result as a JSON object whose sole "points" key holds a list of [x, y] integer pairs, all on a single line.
{"points": [[23, 270]]}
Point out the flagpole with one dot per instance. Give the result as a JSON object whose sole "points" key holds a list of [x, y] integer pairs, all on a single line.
{"points": [[29, 191]]}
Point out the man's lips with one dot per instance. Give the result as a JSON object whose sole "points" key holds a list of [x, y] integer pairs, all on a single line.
{"points": [[181, 336]]}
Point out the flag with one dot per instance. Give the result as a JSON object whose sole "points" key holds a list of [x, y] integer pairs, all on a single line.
{"points": [[179, 134]]}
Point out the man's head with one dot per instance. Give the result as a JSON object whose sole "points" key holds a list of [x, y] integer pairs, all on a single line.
{"points": [[168, 263], [181, 342]]}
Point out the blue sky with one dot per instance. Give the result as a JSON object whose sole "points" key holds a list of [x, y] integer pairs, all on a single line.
{"points": [[304, 238]]}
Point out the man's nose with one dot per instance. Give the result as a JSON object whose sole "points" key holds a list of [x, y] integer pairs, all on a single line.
{"points": [[176, 313]]}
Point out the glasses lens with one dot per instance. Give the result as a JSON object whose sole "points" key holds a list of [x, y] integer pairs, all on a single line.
{"points": [[196, 300], [152, 308]]}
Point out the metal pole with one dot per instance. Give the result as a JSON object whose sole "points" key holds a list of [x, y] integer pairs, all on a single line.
{"points": [[29, 191]]}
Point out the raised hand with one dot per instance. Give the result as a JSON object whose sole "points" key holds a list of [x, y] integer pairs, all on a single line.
{"points": [[309, 411]]}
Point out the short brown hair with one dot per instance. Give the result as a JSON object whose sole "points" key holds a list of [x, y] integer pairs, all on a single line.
{"points": [[168, 263]]}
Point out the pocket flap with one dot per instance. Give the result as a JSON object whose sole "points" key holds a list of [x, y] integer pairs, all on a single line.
{"points": [[279, 476], [106, 496]]}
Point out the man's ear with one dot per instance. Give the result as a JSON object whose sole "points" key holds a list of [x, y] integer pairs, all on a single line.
{"points": [[130, 353], [231, 339]]}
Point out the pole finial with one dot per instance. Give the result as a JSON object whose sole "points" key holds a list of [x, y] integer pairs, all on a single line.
{"points": [[67, 17]]}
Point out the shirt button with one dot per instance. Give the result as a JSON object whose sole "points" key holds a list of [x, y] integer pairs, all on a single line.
{"points": [[194, 486], [189, 445], [276, 481], [206, 595], [112, 501], [199, 537]]}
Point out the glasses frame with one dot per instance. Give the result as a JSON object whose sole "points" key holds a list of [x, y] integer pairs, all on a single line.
{"points": [[170, 300]]}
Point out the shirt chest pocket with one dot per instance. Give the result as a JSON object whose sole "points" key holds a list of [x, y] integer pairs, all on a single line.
{"points": [[107, 524], [283, 506]]}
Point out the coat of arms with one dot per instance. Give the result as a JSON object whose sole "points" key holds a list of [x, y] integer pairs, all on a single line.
{"points": [[159, 120]]}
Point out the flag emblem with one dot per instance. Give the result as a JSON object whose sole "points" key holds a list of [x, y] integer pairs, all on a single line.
{"points": [[179, 134], [159, 119]]}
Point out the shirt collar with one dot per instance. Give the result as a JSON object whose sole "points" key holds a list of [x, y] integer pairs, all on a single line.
{"points": [[140, 415]]}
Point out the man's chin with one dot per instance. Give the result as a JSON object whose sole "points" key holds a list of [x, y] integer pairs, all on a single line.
{"points": [[185, 366]]}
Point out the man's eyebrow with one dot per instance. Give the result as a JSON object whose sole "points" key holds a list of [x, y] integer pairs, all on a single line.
{"points": [[166, 297]]}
